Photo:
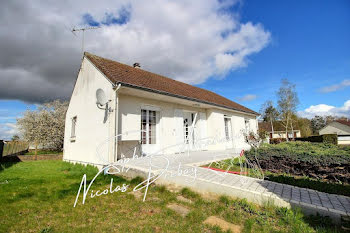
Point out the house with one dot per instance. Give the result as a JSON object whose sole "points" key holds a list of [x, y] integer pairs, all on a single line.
{"points": [[339, 127], [279, 130], [146, 113]]}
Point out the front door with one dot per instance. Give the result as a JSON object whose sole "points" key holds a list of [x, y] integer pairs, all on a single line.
{"points": [[190, 128]]}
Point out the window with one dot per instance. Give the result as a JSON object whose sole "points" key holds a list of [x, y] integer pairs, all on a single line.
{"points": [[148, 126], [227, 129], [74, 123], [247, 127]]}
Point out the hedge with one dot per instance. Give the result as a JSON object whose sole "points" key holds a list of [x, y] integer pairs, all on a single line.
{"points": [[277, 140], [326, 138]]}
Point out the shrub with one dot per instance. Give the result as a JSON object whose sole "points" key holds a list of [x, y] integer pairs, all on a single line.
{"points": [[277, 140], [330, 138], [316, 160], [326, 138]]}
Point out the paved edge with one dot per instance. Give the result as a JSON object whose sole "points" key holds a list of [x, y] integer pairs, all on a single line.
{"points": [[209, 186]]}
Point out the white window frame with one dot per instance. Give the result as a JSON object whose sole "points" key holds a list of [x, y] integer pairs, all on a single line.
{"points": [[227, 119], [247, 125], [73, 128], [148, 110]]}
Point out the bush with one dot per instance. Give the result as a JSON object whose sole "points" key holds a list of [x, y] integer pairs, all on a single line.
{"points": [[277, 140], [326, 138], [330, 138], [315, 160]]}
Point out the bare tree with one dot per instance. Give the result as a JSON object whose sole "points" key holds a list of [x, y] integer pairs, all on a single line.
{"points": [[287, 104], [44, 126], [269, 113]]}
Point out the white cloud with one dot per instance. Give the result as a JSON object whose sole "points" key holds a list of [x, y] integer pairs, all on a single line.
{"points": [[345, 83], [248, 97], [325, 110], [190, 41], [7, 130]]}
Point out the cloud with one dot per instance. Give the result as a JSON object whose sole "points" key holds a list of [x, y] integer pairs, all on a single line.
{"points": [[190, 41], [325, 110], [7, 130], [336, 87], [248, 97]]}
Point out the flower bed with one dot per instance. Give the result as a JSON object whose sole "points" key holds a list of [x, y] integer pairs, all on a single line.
{"points": [[316, 160]]}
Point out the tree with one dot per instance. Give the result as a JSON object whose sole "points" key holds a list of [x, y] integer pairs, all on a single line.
{"points": [[304, 126], [15, 138], [287, 104], [269, 113], [317, 123], [329, 119], [45, 125]]}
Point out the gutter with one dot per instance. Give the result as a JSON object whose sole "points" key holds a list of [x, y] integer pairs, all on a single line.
{"points": [[116, 123]]}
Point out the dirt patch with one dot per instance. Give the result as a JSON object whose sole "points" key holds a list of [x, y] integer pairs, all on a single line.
{"points": [[215, 221], [181, 210], [137, 194], [183, 199]]}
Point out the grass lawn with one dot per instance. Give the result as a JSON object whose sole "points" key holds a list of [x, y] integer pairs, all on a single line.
{"points": [[299, 181], [44, 152], [38, 196]]}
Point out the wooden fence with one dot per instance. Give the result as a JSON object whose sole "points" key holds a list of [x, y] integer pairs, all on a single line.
{"points": [[12, 148]]}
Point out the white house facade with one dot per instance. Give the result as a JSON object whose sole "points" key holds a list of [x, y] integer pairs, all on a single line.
{"points": [[146, 113]]}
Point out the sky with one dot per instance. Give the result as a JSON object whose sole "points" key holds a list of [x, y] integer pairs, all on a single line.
{"points": [[238, 49]]}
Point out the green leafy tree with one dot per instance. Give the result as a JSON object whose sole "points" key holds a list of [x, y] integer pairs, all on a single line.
{"points": [[304, 126]]}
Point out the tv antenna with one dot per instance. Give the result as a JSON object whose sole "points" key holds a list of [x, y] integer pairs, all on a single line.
{"points": [[83, 31]]}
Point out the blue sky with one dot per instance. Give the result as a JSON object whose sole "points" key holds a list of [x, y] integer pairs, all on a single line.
{"points": [[310, 47], [309, 44]]}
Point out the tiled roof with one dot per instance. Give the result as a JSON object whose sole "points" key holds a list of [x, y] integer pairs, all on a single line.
{"points": [[344, 122], [136, 77]]}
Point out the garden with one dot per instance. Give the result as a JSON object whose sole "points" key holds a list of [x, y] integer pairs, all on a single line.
{"points": [[38, 196], [319, 166]]}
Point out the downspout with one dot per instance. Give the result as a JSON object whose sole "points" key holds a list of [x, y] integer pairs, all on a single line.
{"points": [[116, 122]]}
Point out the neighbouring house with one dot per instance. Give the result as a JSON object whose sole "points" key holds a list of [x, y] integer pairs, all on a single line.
{"points": [[146, 113], [279, 130], [339, 127]]}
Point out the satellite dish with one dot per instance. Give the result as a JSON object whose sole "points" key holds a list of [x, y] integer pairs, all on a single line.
{"points": [[101, 97]]}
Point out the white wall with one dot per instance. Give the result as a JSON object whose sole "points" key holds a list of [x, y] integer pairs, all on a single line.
{"points": [[130, 119], [216, 128], [91, 130], [167, 132], [282, 134]]}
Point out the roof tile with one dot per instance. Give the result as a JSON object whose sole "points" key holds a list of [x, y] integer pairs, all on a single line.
{"points": [[125, 74]]}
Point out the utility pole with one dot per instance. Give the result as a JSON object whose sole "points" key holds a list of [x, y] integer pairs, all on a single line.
{"points": [[83, 31]]}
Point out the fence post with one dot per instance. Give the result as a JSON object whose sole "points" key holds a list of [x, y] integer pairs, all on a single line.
{"points": [[1, 149]]}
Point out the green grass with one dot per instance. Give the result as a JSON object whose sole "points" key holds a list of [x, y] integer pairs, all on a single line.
{"points": [[38, 196], [44, 152], [283, 178], [308, 148]]}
